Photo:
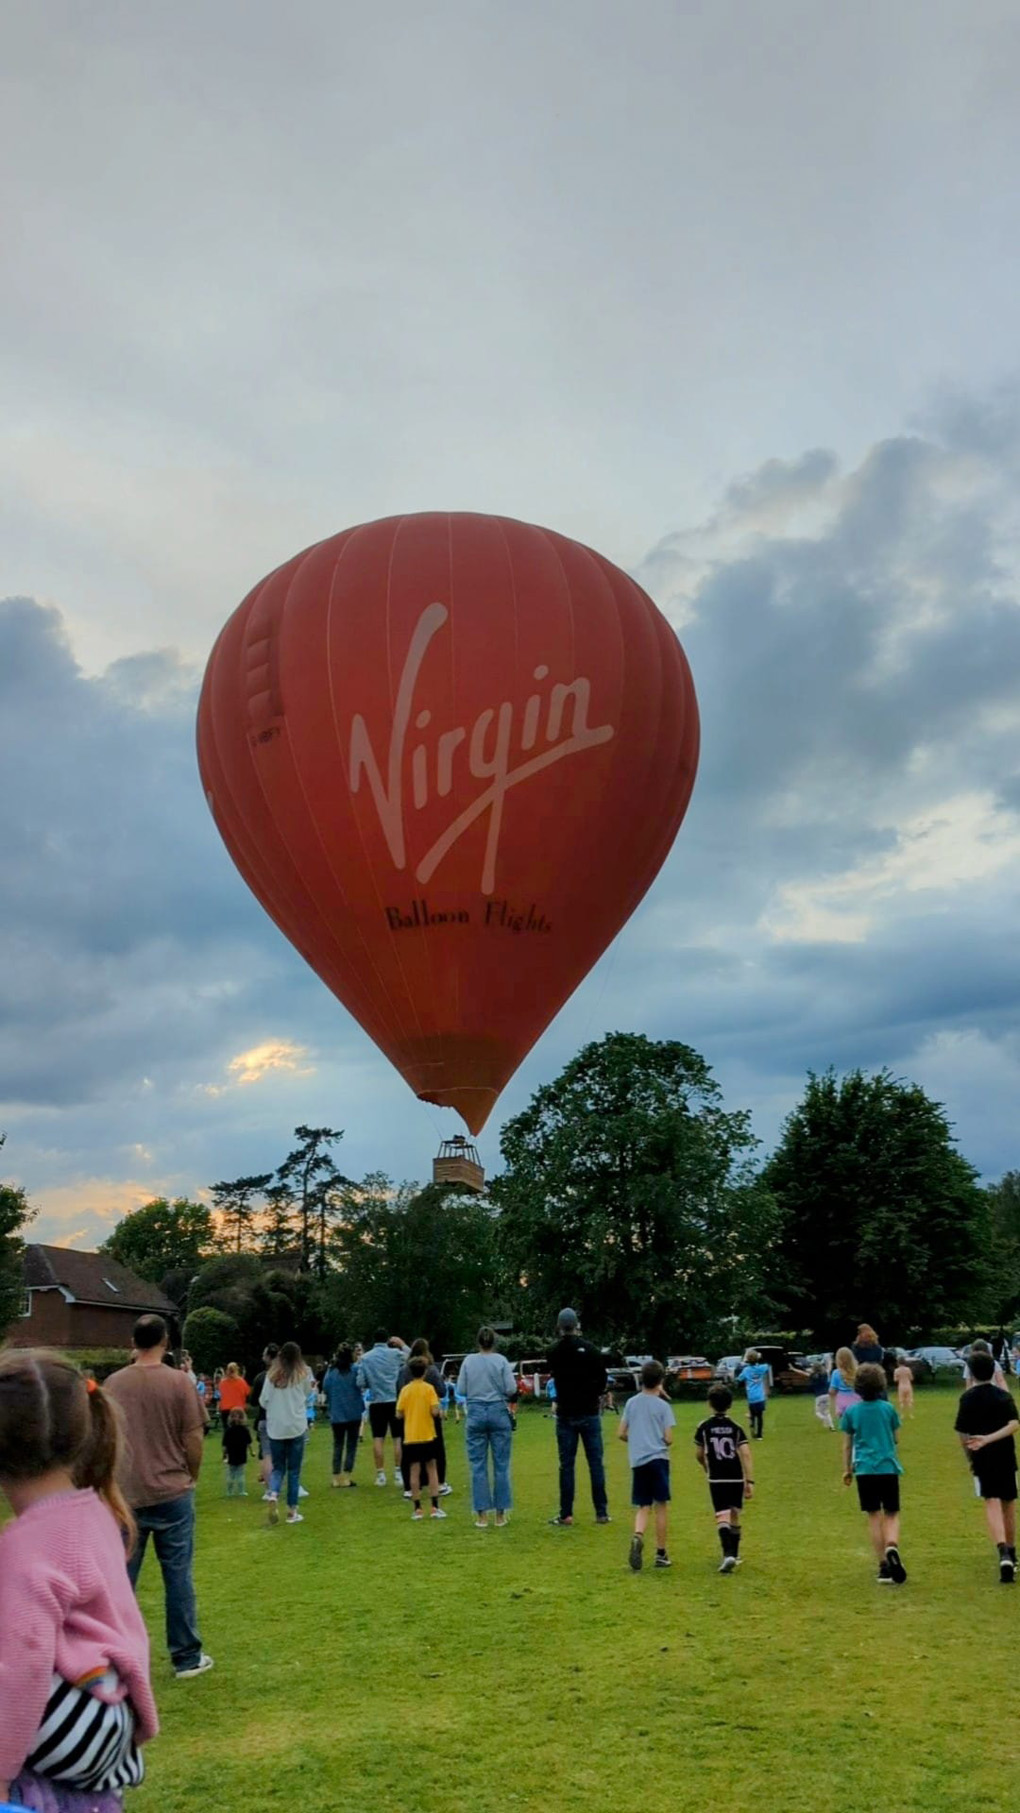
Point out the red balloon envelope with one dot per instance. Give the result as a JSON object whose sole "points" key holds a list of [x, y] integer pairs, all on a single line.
{"points": [[449, 754]]}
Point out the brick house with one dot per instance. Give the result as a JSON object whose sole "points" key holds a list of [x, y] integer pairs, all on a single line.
{"points": [[75, 1300]]}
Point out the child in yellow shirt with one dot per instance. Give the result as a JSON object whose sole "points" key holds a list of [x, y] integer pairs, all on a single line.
{"points": [[419, 1406]]}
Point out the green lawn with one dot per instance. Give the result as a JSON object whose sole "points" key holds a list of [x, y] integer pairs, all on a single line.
{"points": [[366, 1662]]}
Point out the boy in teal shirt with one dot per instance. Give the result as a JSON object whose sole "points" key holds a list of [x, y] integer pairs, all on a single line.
{"points": [[869, 1456]]}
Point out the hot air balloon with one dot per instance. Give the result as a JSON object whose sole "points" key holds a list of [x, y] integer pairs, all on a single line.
{"points": [[449, 754]]}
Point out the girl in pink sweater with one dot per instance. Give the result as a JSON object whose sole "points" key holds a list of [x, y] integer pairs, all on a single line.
{"points": [[75, 1700]]}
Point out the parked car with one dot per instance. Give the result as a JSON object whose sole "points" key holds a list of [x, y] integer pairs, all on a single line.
{"points": [[688, 1368], [532, 1377], [452, 1363], [940, 1359], [727, 1368], [635, 1361]]}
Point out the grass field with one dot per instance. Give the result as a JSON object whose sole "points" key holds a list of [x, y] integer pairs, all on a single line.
{"points": [[364, 1661]]}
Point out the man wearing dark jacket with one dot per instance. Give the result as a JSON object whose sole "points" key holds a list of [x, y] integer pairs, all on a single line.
{"points": [[579, 1374]]}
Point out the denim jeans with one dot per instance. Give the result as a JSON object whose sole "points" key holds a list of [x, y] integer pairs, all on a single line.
{"points": [[287, 1457], [569, 1431], [489, 1429], [345, 1445], [172, 1528]]}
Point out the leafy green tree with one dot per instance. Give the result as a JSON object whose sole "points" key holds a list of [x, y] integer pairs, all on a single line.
{"points": [[884, 1220], [211, 1337], [630, 1193], [311, 1174], [163, 1237], [1003, 1200], [15, 1214], [420, 1261], [236, 1204]]}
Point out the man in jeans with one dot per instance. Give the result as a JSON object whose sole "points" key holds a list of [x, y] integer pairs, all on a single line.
{"points": [[164, 1424], [579, 1375]]}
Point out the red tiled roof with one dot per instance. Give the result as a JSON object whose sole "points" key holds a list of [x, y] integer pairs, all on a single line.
{"points": [[92, 1278]]}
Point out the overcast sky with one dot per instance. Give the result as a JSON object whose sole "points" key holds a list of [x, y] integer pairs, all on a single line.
{"points": [[727, 291]]}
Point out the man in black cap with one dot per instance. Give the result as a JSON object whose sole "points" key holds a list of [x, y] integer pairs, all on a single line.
{"points": [[579, 1374]]}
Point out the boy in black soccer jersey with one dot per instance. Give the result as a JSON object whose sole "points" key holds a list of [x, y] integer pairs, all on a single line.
{"points": [[722, 1449], [986, 1423]]}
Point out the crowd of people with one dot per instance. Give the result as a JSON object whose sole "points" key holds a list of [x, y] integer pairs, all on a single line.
{"points": [[92, 1472]]}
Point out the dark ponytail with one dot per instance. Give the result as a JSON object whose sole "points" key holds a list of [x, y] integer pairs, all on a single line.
{"points": [[51, 1417]]}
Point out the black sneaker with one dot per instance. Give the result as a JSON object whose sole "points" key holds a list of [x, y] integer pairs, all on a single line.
{"points": [[1007, 1571], [884, 1576], [603, 1517], [897, 1571], [562, 1520], [663, 1561], [636, 1556]]}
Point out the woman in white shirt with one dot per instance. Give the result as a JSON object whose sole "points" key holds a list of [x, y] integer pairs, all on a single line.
{"points": [[283, 1399]]}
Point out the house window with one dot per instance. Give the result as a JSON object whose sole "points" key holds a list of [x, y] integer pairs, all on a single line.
{"points": [[26, 1304], [111, 1286]]}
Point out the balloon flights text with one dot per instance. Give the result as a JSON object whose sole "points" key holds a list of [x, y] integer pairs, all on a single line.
{"points": [[433, 729]]}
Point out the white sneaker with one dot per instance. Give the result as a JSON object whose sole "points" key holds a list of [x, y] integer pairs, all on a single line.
{"points": [[380, 1478], [407, 1494], [437, 1512], [444, 1491], [294, 1517], [398, 1479], [201, 1667]]}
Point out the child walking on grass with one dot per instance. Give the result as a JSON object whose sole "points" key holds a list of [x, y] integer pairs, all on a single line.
{"points": [[869, 1456], [903, 1379], [74, 1653], [236, 1443], [419, 1406], [722, 1449], [646, 1426], [986, 1423]]}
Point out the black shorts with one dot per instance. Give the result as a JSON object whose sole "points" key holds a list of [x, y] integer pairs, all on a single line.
{"points": [[997, 1482], [727, 1494], [422, 1452], [383, 1420], [649, 1483], [879, 1492]]}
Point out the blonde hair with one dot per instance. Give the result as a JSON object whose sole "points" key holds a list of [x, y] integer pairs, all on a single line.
{"points": [[846, 1366], [52, 1417], [233, 1370], [288, 1368]]}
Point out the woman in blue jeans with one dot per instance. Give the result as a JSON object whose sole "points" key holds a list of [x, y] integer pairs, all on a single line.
{"points": [[487, 1384], [284, 1397]]}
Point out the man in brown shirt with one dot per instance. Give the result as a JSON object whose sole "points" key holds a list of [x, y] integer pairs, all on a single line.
{"points": [[164, 1428]]}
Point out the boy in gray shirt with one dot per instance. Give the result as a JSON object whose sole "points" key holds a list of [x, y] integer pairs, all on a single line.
{"points": [[647, 1428]]}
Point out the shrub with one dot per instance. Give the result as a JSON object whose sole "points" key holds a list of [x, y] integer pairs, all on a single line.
{"points": [[211, 1337]]}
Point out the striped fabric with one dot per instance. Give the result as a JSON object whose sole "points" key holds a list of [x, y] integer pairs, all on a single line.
{"points": [[85, 1742]]}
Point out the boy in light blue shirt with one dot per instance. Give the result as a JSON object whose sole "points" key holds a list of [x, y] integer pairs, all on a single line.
{"points": [[870, 1457], [647, 1428], [757, 1377]]}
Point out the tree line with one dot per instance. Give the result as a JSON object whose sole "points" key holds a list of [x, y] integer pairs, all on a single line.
{"points": [[629, 1190]]}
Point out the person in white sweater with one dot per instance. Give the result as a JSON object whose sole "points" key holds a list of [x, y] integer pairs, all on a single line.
{"points": [[283, 1399]]}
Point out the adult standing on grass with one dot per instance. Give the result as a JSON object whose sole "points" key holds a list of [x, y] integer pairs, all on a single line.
{"points": [[345, 1408], [284, 1397], [377, 1374], [165, 1427], [867, 1349], [234, 1392], [488, 1387], [579, 1374]]}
